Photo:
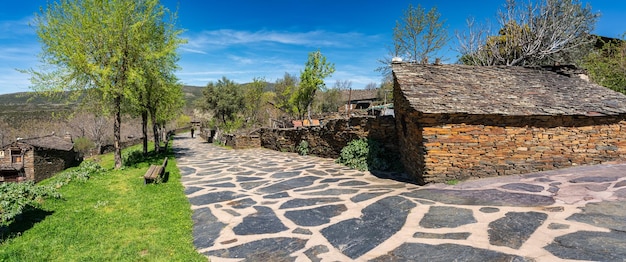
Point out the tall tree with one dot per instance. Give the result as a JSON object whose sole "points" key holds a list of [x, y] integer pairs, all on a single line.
{"points": [[285, 88], [417, 37], [102, 45], [226, 100], [534, 33], [254, 99], [312, 80]]}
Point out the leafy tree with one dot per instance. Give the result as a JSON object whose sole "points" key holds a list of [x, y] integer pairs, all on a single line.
{"points": [[311, 80], [226, 100], [254, 99], [329, 100], [534, 33], [103, 47], [285, 89], [607, 66], [417, 37]]}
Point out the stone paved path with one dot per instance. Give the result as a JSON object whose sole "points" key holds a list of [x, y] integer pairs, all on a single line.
{"points": [[263, 205]]}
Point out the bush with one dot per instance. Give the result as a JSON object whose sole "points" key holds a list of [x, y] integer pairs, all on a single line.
{"points": [[364, 154], [133, 156], [303, 148], [15, 198], [83, 145], [80, 173]]}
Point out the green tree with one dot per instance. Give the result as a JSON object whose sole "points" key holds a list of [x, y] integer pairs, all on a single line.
{"points": [[254, 99], [103, 47], [227, 102], [285, 88], [418, 36], [311, 80], [607, 66]]}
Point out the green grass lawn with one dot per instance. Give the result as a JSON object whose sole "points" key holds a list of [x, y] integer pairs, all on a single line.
{"points": [[110, 217]]}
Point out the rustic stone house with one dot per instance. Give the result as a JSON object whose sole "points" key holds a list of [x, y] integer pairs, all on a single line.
{"points": [[36, 159], [458, 122]]}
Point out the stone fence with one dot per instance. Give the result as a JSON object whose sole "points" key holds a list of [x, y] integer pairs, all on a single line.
{"points": [[329, 139]]}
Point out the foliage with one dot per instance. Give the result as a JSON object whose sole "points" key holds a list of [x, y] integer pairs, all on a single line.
{"points": [[110, 217], [133, 156], [417, 37], [110, 49], [303, 148], [83, 145], [607, 66], [364, 154], [329, 100], [311, 80], [535, 33], [82, 173], [253, 100], [285, 88], [15, 198], [227, 102], [183, 121]]}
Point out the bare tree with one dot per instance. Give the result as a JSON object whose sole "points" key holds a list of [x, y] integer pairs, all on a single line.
{"points": [[343, 84], [533, 33], [417, 37]]}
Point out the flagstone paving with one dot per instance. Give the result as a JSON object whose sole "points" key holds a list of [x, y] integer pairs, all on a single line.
{"points": [[263, 205]]}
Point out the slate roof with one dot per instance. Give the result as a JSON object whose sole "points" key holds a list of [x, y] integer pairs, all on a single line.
{"points": [[49, 142], [502, 90], [359, 94]]}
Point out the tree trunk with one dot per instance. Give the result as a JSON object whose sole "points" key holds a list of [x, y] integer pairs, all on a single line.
{"points": [[156, 134], [144, 130], [117, 132]]}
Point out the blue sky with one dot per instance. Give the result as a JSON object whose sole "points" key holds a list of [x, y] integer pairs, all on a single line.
{"points": [[243, 39]]}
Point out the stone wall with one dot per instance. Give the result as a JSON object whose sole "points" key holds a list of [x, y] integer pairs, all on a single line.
{"points": [[48, 162], [241, 141], [442, 147], [329, 139]]}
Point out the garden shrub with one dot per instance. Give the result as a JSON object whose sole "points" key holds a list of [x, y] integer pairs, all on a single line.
{"points": [[131, 157], [364, 154], [303, 148], [15, 198]]}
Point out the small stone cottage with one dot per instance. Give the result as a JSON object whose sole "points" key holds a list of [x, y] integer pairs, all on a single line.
{"points": [[458, 121], [36, 159]]}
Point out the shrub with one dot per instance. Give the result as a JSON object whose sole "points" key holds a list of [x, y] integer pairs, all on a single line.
{"points": [[15, 198], [364, 154], [80, 173], [83, 145], [303, 148], [133, 156]]}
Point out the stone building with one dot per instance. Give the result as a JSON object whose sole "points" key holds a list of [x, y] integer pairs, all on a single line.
{"points": [[458, 122], [36, 159]]}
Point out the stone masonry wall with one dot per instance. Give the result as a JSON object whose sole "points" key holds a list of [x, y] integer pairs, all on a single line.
{"points": [[327, 141], [49, 162], [241, 141], [470, 146]]}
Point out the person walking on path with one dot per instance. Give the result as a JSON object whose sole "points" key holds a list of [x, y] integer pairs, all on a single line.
{"points": [[192, 132]]}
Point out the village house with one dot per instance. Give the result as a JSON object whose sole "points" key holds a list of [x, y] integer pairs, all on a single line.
{"points": [[458, 122], [36, 159]]}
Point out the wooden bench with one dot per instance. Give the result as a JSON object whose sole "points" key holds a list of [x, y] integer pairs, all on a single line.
{"points": [[155, 173]]}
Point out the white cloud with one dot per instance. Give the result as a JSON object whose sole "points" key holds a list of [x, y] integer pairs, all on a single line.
{"points": [[16, 28]]}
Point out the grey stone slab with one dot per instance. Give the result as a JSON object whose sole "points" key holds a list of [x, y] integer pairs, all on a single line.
{"points": [[588, 245], [553, 190], [236, 169], [447, 217], [185, 171], [247, 178], [620, 184], [303, 202], [223, 185], [286, 174], [264, 221], [606, 214], [289, 184], [488, 210], [332, 192], [333, 180], [456, 236], [597, 187], [557, 226], [242, 203], [244, 174], [231, 212], [514, 228], [214, 197], [365, 196], [523, 187], [251, 185], [192, 189], [620, 193], [593, 179], [269, 249], [304, 167], [277, 195], [318, 172], [314, 251], [312, 188], [380, 220], [354, 183], [315, 216], [302, 231], [206, 228], [445, 253], [487, 197]]}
